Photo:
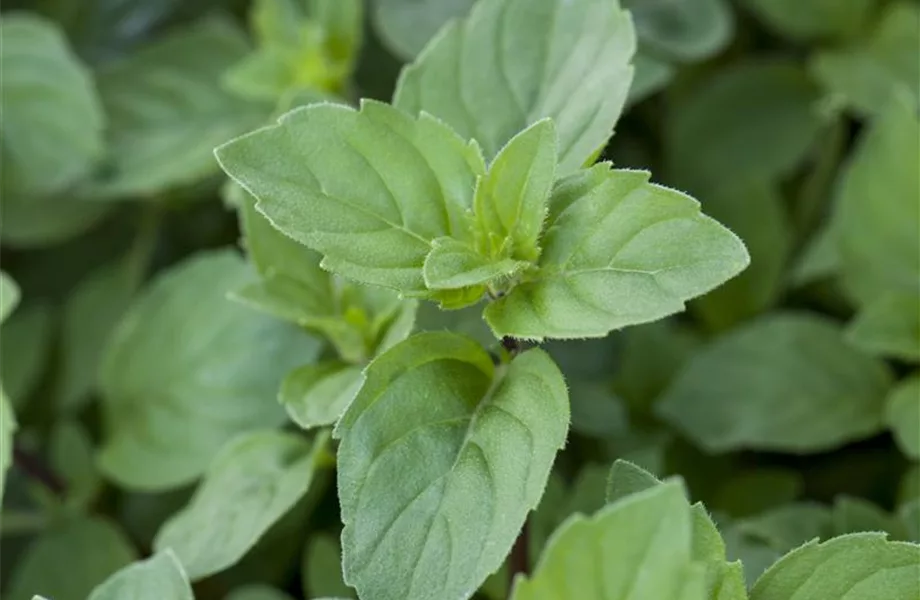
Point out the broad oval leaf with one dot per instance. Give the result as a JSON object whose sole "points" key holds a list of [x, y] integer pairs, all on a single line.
{"points": [[406, 26], [68, 560], [617, 251], [369, 188], [878, 207], [902, 414], [862, 565], [168, 111], [514, 62], [595, 558], [787, 382], [754, 120], [252, 483], [317, 395], [471, 449], [52, 117], [160, 577], [186, 370]]}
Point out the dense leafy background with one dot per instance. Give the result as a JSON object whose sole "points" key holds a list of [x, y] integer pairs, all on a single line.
{"points": [[152, 376]]}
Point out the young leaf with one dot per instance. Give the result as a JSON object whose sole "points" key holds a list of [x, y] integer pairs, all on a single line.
{"points": [[370, 189], [160, 577], [863, 565], [317, 395], [168, 111], [252, 483], [889, 325], [617, 251], [686, 31], [867, 72], [52, 117], [510, 201], [879, 206], [595, 559], [472, 449], [186, 370], [902, 414], [322, 568], [710, 135], [804, 389], [454, 265], [68, 560], [512, 63]]}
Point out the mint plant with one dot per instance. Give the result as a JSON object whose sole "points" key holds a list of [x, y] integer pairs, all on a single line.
{"points": [[500, 300]]}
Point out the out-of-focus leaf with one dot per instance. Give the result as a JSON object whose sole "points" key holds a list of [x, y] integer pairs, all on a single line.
{"points": [[160, 577], [406, 26], [39, 222], [321, 570], [815, 19], [24, 348], [167, 111], [253, 482], [878, 207], [867, 72], [687, 30], [70, 453], [52, 118], [751, 121], [317, 395], [186, 370], [889, 325], [786, 527], [902, 414], [8, 427], [756, 490], [852, 515], [756, 213], [257, 592], [512, 63], [787, 382], [68, 560], [597, 411], [652, 75]]}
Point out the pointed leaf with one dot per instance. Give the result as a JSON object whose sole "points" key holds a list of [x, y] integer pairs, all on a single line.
{"points": [[251, 484], [595, 558], [160, 577], [510, 201], [863, 565], [617, 251], [369, 189], [787, 382], [187, 370], [453, 265], [317, 395], [514, 62], [477, 447]]}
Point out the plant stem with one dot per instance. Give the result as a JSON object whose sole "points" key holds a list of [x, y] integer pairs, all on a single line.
{"points": [[519, 561], [36, 469]]}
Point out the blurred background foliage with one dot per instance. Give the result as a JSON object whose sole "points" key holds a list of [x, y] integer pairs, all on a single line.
{"points": [[788, 399]]}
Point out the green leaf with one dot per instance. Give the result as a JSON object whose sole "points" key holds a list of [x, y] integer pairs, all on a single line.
{"points": [[9, 296], [317, 395], [257, 592], [866, 73], [322, 568], [757, 214], [788, 382], [406, 26], [68, 560], [70, 453], [52, 118], [626, 479], [752, 121], [24, 350], [512, 63], [686, 31], [596, 411], [852, 515], [38, 222], [478, 446], [879, 205], [370, 189], [168, 111], [889, 325], [815, 20], [902, 414], [453, 265], [160, 577], [342, 22], [595, 557], [618, 251], [186, 370], [510, 201], [785, 527], [862, 565], [752, 491], [652, 75], [253, 482]]}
